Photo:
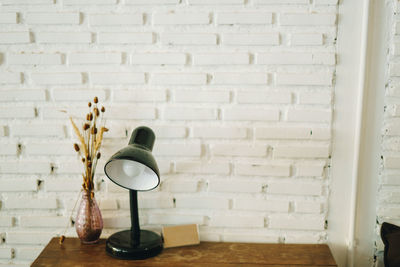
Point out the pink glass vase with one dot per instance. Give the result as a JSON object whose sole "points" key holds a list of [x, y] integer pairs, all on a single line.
{"points": [[88, 222]]}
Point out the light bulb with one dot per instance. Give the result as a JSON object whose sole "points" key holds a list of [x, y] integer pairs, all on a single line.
{"points": [[131, 169]]}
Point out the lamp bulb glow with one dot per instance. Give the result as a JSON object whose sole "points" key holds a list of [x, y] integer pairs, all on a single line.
{"points": [[132, 170]]}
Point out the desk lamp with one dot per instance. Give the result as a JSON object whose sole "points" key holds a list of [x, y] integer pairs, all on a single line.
{"points": [[134, 168]]}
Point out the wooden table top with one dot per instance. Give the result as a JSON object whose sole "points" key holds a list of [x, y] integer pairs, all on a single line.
{"points": [[209, 254]]}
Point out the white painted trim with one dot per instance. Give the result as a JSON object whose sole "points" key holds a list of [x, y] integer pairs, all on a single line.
{"points": [[370, 150], [345, 142], [362, 35], [358, 127]]}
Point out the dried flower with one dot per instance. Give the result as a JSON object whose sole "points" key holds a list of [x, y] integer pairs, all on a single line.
{"points": [[90, 139], [100, 138], [103, 109], [76, 146], [79, 135]]}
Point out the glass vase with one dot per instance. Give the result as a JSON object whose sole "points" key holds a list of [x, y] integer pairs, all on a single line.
{"points": [[88, 222]]}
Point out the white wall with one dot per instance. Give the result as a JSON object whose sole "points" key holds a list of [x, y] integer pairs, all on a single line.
{"points": [[388, 196], [374, 172], [238, 92], [380, 17]]}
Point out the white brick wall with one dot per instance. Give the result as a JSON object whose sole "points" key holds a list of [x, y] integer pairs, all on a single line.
{"points": [[52, 18], [388, 205], [307, 39], [115, 19], [188, 38], [244, 18], [239, 94]]}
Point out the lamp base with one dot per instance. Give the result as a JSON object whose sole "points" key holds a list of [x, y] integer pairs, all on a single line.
{"points": [[119, 245]]}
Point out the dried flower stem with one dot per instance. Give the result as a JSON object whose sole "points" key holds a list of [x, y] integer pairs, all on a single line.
{"points": [[99, 139], [78, 134], [62, 237]]}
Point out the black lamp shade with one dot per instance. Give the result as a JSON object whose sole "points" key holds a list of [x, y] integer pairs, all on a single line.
{"points": [[134, 167]]}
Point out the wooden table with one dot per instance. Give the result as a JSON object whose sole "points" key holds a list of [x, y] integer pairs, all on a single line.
{"points": [[207, 254]]}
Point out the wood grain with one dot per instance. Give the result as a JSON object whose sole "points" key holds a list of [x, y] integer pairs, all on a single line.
{"points": [[209, 254]]}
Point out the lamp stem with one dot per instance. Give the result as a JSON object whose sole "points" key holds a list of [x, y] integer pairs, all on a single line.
{"points": [[135, 228]]}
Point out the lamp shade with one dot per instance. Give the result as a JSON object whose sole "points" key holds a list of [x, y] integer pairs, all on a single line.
{"points": [[134, 166]]}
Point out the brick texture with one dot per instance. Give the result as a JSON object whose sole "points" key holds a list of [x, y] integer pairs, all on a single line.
{"points": [[238, 92], [387, 197]]}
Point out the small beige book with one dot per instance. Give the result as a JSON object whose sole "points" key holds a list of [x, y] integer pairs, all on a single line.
{"points": [[181, 235]]}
